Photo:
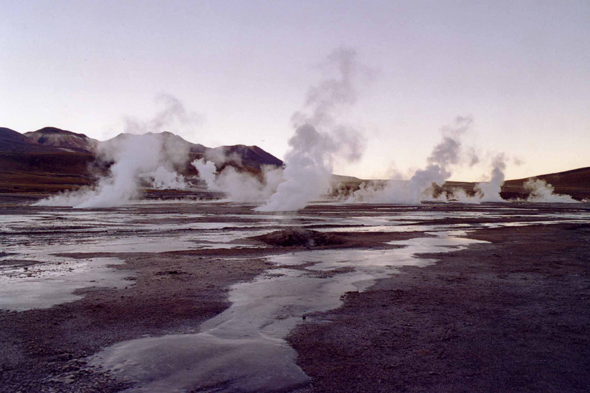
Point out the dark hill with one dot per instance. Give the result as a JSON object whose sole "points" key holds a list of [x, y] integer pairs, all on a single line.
{"points": [[29, 167], [250, 158], [574, 178], [575, 183], [8, 135]]}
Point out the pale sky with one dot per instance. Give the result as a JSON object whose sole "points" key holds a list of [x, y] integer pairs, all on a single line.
{"points": [[521, 69]]}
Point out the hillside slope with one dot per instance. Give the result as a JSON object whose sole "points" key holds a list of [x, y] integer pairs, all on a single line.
{"points": [[63, 139], [575, 183], [15, 142]]}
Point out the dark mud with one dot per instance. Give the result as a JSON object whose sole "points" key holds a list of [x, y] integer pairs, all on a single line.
{"points": [[300, 238]]}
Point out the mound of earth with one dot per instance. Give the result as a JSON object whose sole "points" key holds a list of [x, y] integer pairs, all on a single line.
{"points": [[299, 238]]}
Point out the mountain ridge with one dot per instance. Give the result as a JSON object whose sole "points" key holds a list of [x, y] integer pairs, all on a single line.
{"points": [[51, 159], [53, 139]]}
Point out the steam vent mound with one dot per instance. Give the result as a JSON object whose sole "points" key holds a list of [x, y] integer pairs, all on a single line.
{"points": [[299, 238]]}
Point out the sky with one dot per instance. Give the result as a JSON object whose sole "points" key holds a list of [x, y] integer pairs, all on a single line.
{"points": [[520, 69]]}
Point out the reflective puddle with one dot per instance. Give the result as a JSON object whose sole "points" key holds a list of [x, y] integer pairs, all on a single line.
{"points": [[25, 286]]}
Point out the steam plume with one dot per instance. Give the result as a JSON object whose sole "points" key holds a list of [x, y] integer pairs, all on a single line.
{"points": [[163, 179], [150, 156], [318, 140], [207, 173], [173, 115], [541, 191], [420, 186], [490, 192], [243, 187], [240, 186]]}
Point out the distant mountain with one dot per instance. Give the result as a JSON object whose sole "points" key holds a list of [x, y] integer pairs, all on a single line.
{"points": [[577, 178], [347, 179], [251, 156], [53, 140], [51, 159], [575, 183], [62, 139], [235, 155], [168, 139]]}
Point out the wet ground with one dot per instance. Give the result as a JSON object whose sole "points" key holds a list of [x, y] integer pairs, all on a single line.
{"points": [[168, 297]]}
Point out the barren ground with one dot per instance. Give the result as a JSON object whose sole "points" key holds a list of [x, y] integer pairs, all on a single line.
{"points": [[511, 315]]}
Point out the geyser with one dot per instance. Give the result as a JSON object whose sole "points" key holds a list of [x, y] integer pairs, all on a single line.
{"points": [[319, 140], [149, 156]]}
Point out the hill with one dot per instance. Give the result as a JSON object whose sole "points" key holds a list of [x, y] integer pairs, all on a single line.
{"points": [[51, 159], [242, 155], [168, 139], [14, 142], [65, 140], [575, 183]]}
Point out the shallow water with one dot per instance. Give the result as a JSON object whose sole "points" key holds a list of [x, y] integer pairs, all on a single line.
{"points": [[49, 281]]}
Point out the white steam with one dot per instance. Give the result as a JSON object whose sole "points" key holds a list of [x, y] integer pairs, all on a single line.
{"points": [[240, 186], [207, 173], [173, 115], [420, 187], [540, 191], [163, 179], [490, 191], [135, 157], [318, 140]]}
